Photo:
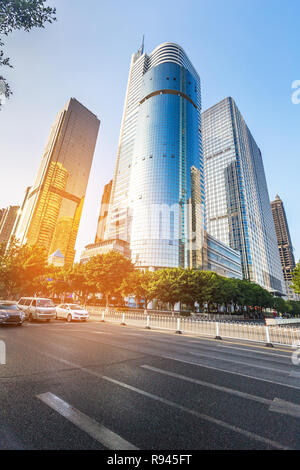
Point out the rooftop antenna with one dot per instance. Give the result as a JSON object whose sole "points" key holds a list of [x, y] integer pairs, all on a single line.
{"points": [[143, 44], [141, 49]]}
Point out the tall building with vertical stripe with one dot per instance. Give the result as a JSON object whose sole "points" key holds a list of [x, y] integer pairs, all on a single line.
{"points": [[52, 207], [102, 220], [7, 222], [285, 246], [237, 199]]}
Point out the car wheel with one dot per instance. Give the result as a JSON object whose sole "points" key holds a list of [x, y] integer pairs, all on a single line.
{"points": [[30, 317], [69, 318]]}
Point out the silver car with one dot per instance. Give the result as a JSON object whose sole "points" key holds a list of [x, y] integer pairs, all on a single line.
{"points": [[10, 314], [37, 308]]}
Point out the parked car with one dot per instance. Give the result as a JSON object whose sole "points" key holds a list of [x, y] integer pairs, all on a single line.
{"points": [[71, 312], [10, 313], [36, 308]]}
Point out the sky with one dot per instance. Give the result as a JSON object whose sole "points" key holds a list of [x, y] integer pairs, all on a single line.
{"points": [[247, 49]]}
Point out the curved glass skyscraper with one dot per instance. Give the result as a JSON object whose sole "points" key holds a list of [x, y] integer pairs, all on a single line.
{"points": [[159, 164]]}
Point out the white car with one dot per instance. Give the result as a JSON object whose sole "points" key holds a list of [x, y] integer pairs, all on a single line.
{"points": [[71, 312]]}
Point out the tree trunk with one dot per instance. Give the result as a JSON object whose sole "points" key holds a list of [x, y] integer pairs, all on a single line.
{"points": [[146, 306]]}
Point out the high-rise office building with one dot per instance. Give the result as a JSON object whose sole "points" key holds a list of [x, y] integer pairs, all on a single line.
{"points": [[20, 212], [52, 207], [284, 244], [159, 157], [2, 213], [7, 222], [102, 221], [237, 200]]}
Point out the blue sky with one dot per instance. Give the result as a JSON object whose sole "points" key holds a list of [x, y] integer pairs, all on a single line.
{"points": [[247, 49]]}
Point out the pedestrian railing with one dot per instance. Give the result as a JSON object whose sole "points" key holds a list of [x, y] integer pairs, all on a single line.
{"points": [[289, 336], [268, 335]]}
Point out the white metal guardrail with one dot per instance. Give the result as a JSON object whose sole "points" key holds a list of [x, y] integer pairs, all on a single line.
{"points": [[268, 335], [282, 321], [2, 352]]}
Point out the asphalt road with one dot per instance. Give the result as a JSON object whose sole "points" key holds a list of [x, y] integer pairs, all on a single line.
{"points": [[104, 386]]}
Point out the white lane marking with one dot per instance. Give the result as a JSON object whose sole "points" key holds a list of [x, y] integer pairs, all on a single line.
{"points": [[295, 373], [59, 329], [265, 401], [202, 416], [281, 405], [80, 331], [197, 364], [100, 332], [97, 431], [239, 362], [255, 351], [285, 407], [140, 335]]}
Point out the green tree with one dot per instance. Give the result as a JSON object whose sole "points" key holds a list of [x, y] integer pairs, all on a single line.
{"points": [[10, 270], [293, 307], [105, 273], [141, 285], [20, 269], [234, 294], [296, 278], [16, 15], [218, 294], [280, 305], [168, 285], [58, 283], [78, 280], [255, 297], [197, 287]]}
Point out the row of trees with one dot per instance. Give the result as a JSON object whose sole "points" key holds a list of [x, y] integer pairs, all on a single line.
{"points": [[24, 272], [296, 278], [208, 289]]}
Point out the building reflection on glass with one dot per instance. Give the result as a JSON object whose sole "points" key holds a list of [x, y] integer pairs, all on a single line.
{"points": [[53, 207]]}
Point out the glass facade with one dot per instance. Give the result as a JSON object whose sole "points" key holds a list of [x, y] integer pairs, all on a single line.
{"points": [[51, 213], [7, 220], [101, 226], [159, 153], [285, 246], [222, 259], [237, 200]]}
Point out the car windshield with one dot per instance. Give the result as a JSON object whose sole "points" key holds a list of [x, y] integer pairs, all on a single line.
{"points": [[8, 307], [75, 307], [45, 303]]}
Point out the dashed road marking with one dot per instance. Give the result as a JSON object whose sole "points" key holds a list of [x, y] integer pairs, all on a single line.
{"points": [[202, 416], [256, 366], [97, 431], [206, 366], [231, 391], [285, 407]]}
